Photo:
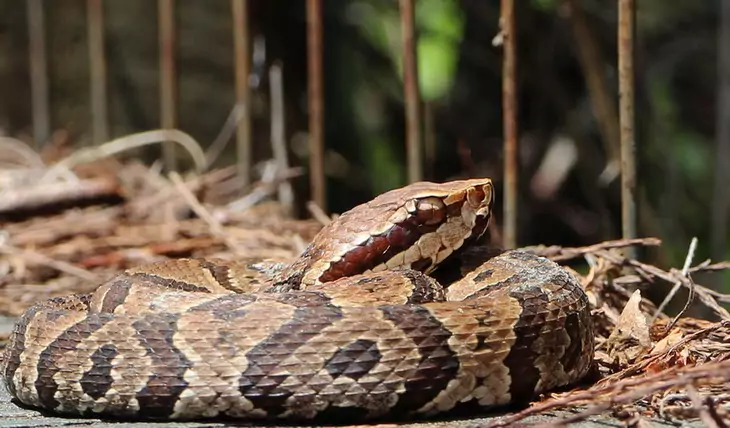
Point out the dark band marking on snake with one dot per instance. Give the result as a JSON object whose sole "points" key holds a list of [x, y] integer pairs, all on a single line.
{"points": [[158, 397], [48, 362], [97, 381]]}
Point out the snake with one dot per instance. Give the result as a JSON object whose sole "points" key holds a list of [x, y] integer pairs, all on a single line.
{"points": [[358, 327]]}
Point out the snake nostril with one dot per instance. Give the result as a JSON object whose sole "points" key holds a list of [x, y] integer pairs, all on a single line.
{"points": [[476, 196], [487, 189]]}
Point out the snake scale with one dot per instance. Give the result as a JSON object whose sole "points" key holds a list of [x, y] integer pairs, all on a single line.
{"points": [[356, 328]]}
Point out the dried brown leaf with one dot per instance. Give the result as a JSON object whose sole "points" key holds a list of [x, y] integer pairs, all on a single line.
{"points": [[630, 339]]}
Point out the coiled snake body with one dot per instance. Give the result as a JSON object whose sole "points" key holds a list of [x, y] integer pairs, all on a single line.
{"points": [[353, 329]]}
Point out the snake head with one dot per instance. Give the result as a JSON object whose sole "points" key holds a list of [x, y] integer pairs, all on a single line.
{"points": [[416, 227]]}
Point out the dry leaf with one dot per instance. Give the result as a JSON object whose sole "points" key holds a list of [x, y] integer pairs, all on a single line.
{"points": [[667, 342], [630, 339]]}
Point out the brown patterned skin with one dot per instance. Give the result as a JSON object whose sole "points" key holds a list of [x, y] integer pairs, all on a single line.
{"points": [[354, 329]]}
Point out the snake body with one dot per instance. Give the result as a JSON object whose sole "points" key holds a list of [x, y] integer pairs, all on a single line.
{"points": [[353, 329]]}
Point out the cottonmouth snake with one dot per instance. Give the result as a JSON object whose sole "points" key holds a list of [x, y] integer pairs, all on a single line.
{"points": [[353, 329]]}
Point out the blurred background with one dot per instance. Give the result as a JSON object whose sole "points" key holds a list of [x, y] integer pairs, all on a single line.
{"points": [[56, 57]]}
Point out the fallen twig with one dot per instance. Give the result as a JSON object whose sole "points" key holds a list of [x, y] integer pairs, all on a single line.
{"points": [[560, 254], [129, 142], [215, 227], [704, 409], [603, 398], [27, 197], [265, 187], [318, 213], [673, 291], [38, 258], [143, 204], [224, 135], [28, 156], [278, 134], [652, 271]]}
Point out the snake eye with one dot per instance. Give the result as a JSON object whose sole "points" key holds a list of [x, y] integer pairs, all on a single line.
{"points": [[430, 211]]}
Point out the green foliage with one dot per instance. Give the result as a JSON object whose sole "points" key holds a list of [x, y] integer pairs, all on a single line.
{"points": [[689, 150], [378, 151], [372, 88], [545, 5], [690, 154], [387, 171], [440, 26]]}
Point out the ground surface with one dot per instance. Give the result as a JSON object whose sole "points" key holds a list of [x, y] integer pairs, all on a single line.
{"points": [[14, 416]]}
